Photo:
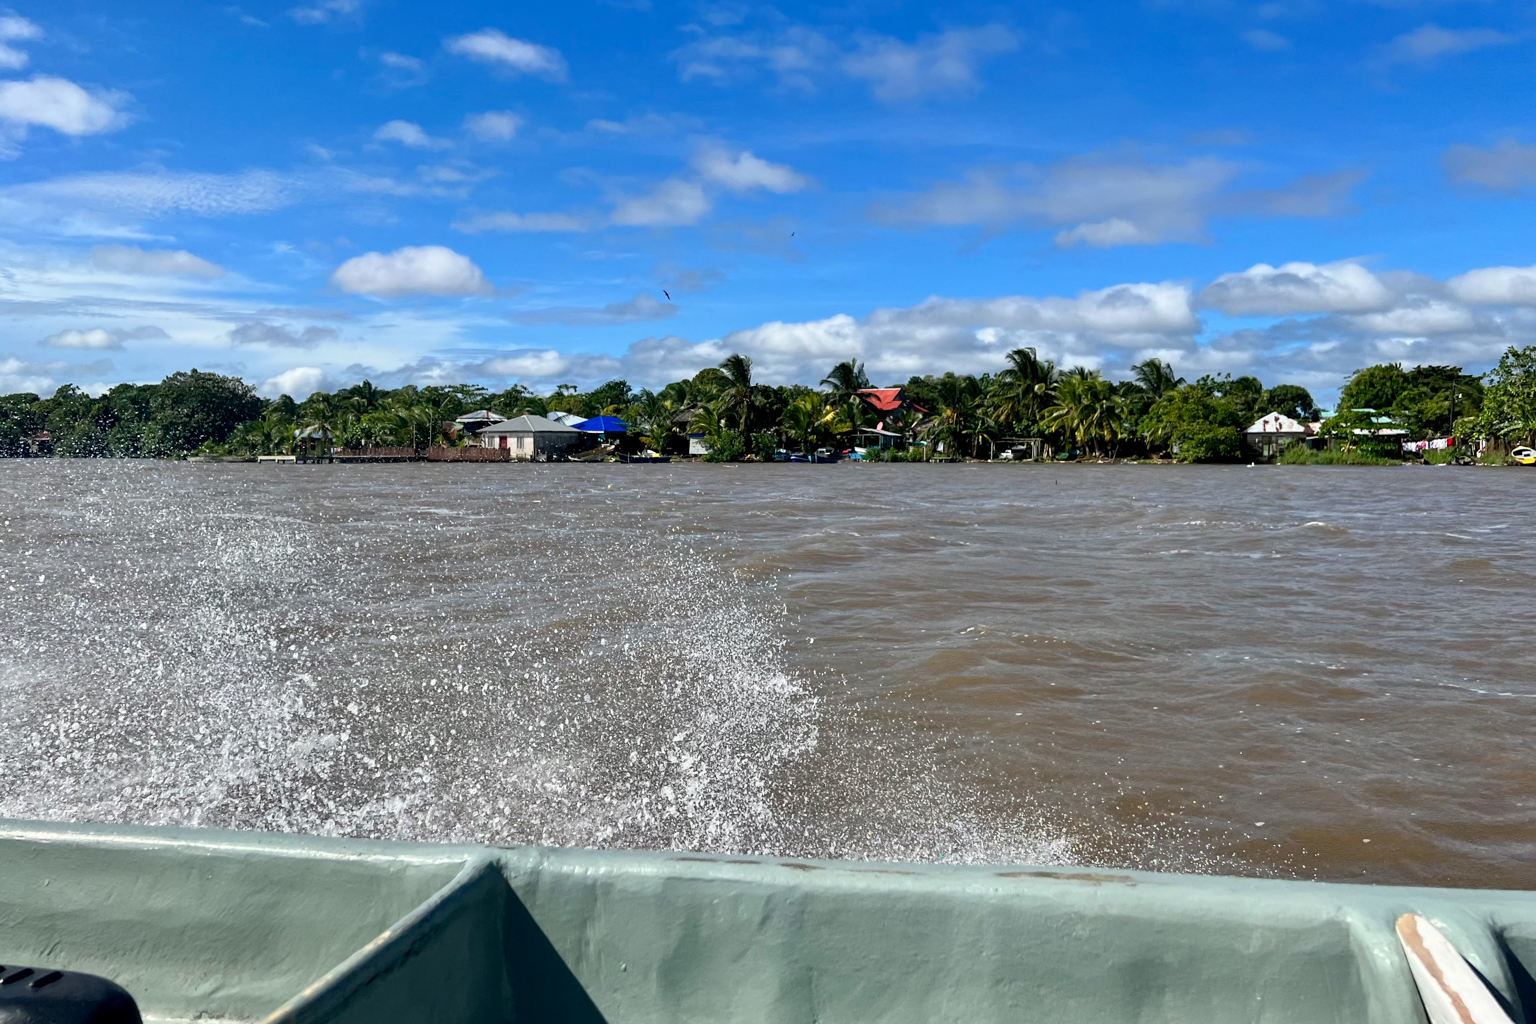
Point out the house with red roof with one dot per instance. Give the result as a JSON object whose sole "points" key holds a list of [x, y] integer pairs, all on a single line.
{"points": [[892, 404]]}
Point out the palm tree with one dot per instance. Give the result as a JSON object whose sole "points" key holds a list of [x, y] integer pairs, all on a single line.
{"points": [[1156, 377], [737, 389], [846, 380], [1023, 390], [653, 413], [364, 397], [958, 400], [854, 414], [982, 429], [808, 418], [517, 400], [1087, 409]]}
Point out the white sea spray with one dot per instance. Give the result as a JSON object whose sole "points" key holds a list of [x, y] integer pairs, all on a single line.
{"points": [[211, 657]]}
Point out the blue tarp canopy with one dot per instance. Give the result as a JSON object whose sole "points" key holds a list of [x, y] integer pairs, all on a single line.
{"points": [[603, 425]]}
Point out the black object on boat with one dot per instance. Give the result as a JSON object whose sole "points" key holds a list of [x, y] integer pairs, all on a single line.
{"points": [[39, 995]]}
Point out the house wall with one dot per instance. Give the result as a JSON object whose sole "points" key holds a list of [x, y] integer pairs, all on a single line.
{"points": [[1268, 444], [529, 444], [552, 443]]}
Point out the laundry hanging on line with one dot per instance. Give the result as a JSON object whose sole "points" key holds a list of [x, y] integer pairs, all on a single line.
{"points": [[1438, 444]]}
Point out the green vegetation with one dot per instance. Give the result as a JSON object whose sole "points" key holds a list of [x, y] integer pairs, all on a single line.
{"points": [[178, 415], [1075, 413], [1297, 455], [1509, 406]]}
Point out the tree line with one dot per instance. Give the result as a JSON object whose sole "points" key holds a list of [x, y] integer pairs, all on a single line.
{"points": [[1075, 410]]}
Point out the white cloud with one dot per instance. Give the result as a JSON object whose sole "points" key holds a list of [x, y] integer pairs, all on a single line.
{"points": [[400, 61], [1106, 234], [206, 195], [965, 335], [402, 70], [796, 57], [1496, 286], [521, 222], [492, 46], [800, 58], [532, 363], [57, 103], [1421, 319], [408, 134], [15, 29], [945, 62], [638, 309], [276, 336], [675, 202], [42, 378], [493, 125], [1122, 309], [325, 11], [1108, 328], [681, 201], [101, 338], [643, 124], [412, 270], [298, 383], [1428, 43], [128, 259], [1308, 195], [743, 172], [1103, 202], [442, 180], [1295, 288], [1264, 39], [1507, 166]]}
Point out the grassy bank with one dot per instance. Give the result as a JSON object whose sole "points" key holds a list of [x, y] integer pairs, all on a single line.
{"points": [[1296, 455]]}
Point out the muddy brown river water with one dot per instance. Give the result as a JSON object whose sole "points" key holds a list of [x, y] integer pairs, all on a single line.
{"points": [[1314, 672]]}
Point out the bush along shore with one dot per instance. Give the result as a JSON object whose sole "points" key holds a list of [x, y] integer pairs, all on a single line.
{"points": [[1028, 409]]}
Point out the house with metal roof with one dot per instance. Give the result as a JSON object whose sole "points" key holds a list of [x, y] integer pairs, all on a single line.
{"points": [[895, 408], [472, 423], [884, 399], [1271, 432], [530, 437]]}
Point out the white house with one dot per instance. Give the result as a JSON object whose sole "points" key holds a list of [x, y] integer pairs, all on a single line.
{"points": [[530, 437], [1273, 431]]}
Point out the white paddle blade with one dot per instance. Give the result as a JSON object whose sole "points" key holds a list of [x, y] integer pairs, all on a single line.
{"points": [[1451, 990]]}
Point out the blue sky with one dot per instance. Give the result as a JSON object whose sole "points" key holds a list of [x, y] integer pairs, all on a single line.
{"points": [[308, 194]]}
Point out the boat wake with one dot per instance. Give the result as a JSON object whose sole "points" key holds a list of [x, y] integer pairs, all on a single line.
{"points": [[400, 678]]}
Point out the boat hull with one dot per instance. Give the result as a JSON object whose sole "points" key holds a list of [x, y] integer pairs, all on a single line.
{"points": [[254, 926]]}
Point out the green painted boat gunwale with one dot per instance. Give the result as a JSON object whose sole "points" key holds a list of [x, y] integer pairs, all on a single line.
{"points": [[203, 923]]}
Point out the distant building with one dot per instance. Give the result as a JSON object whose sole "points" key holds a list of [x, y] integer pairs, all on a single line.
{"points": [[472, 423], [893, 405], [314, 444], [874, 437], [1269, 434], [604, 426], [570, 419], [530, 437]]}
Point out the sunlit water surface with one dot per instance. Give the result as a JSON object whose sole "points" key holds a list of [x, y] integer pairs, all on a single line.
{"points": [[1318, 672]]}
